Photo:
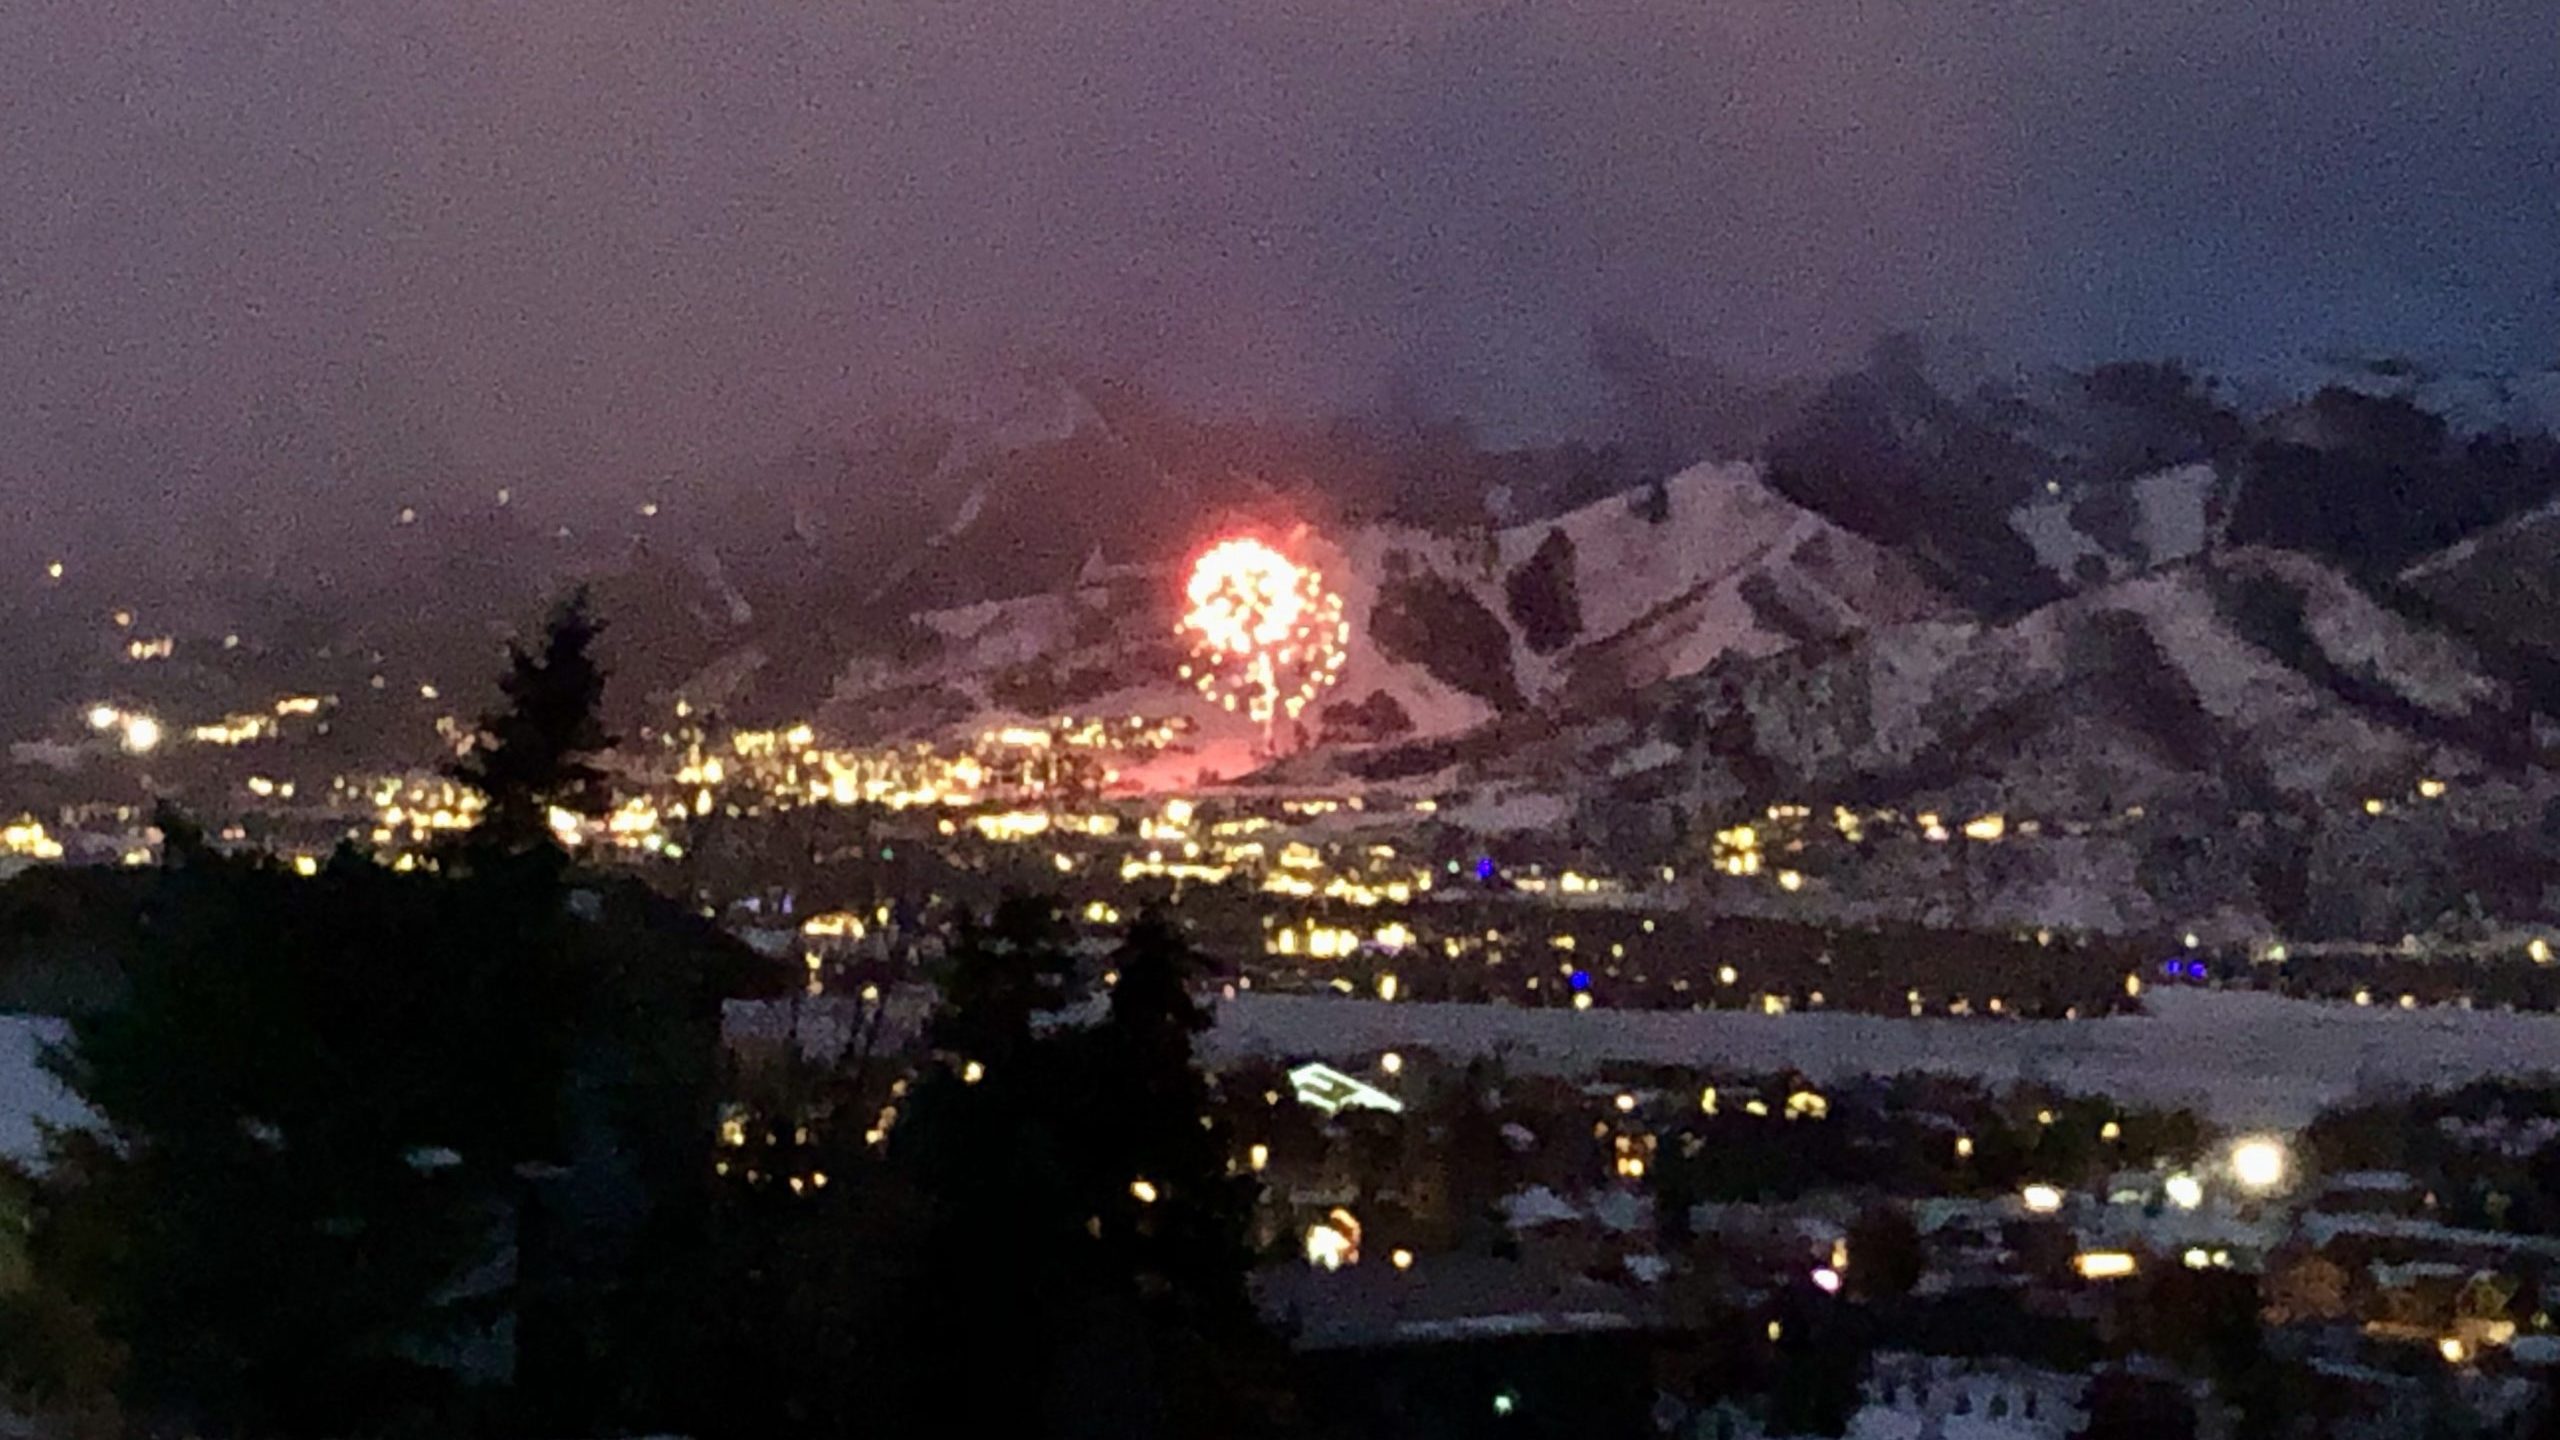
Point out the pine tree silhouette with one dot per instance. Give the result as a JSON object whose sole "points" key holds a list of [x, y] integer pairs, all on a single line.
{"points": [[536, 755]]}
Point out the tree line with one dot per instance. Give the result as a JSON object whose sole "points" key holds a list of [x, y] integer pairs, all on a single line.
{"points": [[458, 1149]]}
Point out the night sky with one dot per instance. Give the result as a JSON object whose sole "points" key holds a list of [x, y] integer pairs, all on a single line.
{"points": [[606, 239]]}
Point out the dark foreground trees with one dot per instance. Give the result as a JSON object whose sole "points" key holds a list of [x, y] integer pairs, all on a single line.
{"points": [[454, 1149], [336, 1112], [1039, 1233], [377, 1150]]}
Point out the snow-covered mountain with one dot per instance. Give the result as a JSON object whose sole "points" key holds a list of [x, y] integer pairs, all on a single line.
{"points": [[1448, 631], [2470, 401], [2502, 583], [2184, 740], [2091, 534]]}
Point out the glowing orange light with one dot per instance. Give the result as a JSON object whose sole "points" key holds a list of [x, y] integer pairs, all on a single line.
{"points": [[1266, 635]]}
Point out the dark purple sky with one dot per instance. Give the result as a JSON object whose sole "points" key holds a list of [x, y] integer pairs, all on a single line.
{"points": [[626, 237]]}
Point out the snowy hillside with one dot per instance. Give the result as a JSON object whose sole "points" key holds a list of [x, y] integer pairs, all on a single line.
{"points": [[2504, 582], [2180, 741], [2104, 533], [2258, 656], [1448, 632]]}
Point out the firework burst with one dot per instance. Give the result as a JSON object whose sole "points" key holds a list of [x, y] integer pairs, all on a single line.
{"points": [[1266, 635]]}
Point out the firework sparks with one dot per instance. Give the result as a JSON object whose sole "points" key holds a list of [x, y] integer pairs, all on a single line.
{"points": [[1266, 635]]}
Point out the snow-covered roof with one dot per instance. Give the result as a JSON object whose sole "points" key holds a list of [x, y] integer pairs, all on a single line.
{"points": [[1537, 1206], [2321, 1228], [1442, 1298], [2372, 1182], [1622, 1210]]}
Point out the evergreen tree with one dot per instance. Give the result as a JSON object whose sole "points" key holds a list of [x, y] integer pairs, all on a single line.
{"points": [[2124, 1406], [1156, 1120], [1886, 1257], [1088, 1211], [309, 1110], [1002, 973], [329, 1108], [1819, 1367], [988, 1135], [538, 753]]}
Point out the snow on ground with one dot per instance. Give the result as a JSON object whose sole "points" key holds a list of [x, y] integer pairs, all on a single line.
{"points": [[2171, 521], [2170, 511], [1510, 811], [30, 1098], [2461, 553], [2239, 1058], [2059, 545], [2430, 668], [1671, 598]]}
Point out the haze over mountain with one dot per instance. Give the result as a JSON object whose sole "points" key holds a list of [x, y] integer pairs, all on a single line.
{"points": [[582, 248]]}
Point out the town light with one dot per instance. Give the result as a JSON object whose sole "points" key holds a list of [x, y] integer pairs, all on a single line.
{"points": [[2258, 1163], [141, 734], [2103, 1264], [2041, 1199], [2185, 1191]]}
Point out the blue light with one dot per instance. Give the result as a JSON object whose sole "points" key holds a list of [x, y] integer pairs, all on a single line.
{"points": [[2195, 969], [1484, 868], [1580, 979]]}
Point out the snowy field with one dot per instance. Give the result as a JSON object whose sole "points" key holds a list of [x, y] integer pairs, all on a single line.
{"points": [[2240, 1059]]}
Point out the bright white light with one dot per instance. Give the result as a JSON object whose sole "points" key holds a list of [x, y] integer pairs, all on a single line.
{"points": [[141, 734], [2185, 1191], [103, 717], [2041, 1199], [1323, 1088], [1392, 1063], [2103, 1264], [1827, 1280], [2258, 1163], [1328, 1247]]}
